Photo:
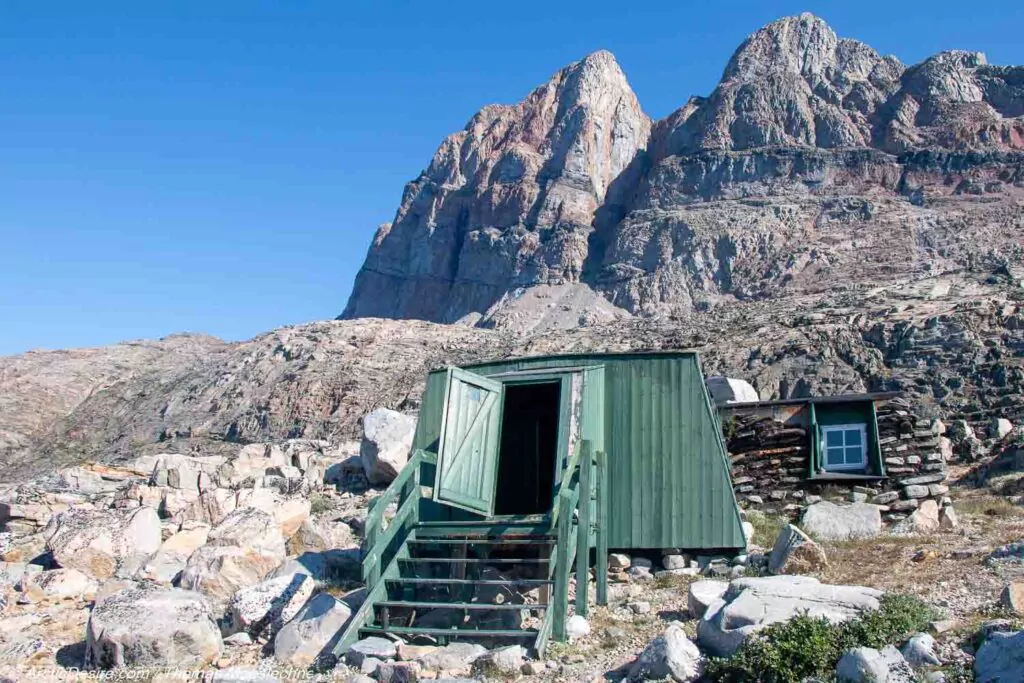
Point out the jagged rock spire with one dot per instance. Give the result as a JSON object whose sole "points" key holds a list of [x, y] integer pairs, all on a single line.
{"points": [[508, 201]]}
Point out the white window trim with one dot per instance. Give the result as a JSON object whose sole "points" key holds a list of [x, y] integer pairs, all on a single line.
{"points": [[862, 465]]}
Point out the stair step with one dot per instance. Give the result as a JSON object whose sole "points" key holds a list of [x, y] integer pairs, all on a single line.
{"points": [[485, 528], [412, 604], [477, 560], [450, 632], [481, 582], [539, 540]]}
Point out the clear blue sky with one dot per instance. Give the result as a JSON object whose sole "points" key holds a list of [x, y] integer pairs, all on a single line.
{"points": [[221, 166]]}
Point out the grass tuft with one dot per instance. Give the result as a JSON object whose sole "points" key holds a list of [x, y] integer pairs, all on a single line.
{"points": [[766, 527]]}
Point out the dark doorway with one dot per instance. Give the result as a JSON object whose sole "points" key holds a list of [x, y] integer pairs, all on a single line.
{"points": [[529, 448]]}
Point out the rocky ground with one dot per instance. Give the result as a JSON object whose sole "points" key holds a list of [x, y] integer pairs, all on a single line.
{"points": [[250, 562]]}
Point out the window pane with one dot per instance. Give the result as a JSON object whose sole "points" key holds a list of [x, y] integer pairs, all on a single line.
{"points": [[854, 455], [853, 437], [834, 456], [833, 438]]}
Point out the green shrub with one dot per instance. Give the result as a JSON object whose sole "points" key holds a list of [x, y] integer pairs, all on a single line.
{"points": [[805, 646]]}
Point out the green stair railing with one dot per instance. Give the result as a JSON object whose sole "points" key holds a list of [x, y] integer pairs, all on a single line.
{"points": [[383, 546], [583, 480]]}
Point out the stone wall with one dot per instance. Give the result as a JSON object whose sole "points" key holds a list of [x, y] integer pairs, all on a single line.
{"points": [[768, 449]]}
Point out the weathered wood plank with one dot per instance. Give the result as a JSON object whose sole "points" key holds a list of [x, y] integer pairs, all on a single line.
{"points": [[583, 530], [602, 528]]}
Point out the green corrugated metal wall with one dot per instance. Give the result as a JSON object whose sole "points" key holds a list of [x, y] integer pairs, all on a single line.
{"points": [[669, 481]]}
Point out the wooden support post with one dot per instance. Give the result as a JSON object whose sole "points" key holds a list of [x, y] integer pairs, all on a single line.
{"points": [[601, 489], [560, 604], [583, 531], [370, 545]]}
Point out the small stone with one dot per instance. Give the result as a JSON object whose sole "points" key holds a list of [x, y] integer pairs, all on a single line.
{"points": [[507, 660], [999, 427], [614, 633], [577, 627], [832, 522], [915, 491], [640, 573], [924, 520], [748, 533], [238, 639], [886, 498], [407, 652], [452, 656], [533, 668], [641, 607], [152, 627], [948, 519], [1012, 597], [920, 651], [795, 552], [618, 561], [380, 648], [397, 672], [673, 562], [672, 655]]}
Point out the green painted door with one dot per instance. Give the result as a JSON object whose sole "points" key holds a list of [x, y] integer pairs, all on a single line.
{"points": [[467, 454]]}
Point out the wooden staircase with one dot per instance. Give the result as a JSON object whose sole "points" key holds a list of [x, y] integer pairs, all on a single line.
{"points": [[493, 581]]}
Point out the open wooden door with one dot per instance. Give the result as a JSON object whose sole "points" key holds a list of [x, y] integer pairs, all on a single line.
{"points": [[467, 454]]}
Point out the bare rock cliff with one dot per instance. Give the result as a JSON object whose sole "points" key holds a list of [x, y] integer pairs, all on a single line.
{"points": [[816, 164], [508, 201]]}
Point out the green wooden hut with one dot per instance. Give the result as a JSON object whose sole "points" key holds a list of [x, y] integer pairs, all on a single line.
{"points": [[570, 453]]}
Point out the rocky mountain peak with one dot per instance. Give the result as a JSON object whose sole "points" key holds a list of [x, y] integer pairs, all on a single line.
{"points": [[803, 45], [571, 206], [792, 83], [508, 200]]}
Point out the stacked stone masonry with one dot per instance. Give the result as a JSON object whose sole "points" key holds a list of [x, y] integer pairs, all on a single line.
{"points": [[770, 467]]}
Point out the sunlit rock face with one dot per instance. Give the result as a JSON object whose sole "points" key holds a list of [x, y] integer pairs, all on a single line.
{"points": [[508, 201], [816, 163]]}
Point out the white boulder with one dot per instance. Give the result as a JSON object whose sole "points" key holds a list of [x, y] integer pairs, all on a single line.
{"points": [[730, 390], [999, 427], [831, 522], [672, 655], [923, 520], [13, 572], [702, 593], [103, 543], [59, 584], [165, 565], [752, 604], [304, 639], [920, 651], [269, 605], [387, 440], [867, 665], [151, 628], [239, 552], [577, 627]]}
